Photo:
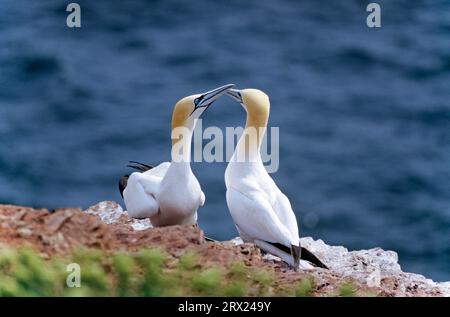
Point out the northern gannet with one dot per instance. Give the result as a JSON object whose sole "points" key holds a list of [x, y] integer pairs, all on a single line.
{"points": [[170, 193], [261, 212]]}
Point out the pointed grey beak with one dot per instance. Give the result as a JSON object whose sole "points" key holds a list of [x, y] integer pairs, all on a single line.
{"points": [[206, 99], [235, 94]]}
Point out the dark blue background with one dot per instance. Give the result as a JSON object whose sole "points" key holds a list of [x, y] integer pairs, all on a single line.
{"points": [[364, 114]]}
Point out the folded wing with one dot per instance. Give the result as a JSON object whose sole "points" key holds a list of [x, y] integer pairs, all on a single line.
{"points": [[256, 219], [140, 193]]}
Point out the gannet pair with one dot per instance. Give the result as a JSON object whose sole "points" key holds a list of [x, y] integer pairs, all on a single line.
{"points": [[170, 194]]}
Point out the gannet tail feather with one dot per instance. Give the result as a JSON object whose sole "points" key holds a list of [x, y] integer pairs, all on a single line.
{"points": [[296, 253], [310, 257], [123, 183], [139, 166]]}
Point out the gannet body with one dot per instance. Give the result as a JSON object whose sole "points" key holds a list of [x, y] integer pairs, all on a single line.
{"points": [[169, 193], [261, 212]]}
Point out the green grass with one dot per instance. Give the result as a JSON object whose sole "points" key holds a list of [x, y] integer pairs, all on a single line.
{"points": [[347, 289], [263, 281], [305, 288], [207, 282], [150, 272]]}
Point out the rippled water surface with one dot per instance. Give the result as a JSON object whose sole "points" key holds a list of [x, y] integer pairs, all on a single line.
{"points": [[364, 114]]}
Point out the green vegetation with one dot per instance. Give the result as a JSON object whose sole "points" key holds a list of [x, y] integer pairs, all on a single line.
{"points": [[150, 272], [146, 273], [347, 289], [305, 288]]}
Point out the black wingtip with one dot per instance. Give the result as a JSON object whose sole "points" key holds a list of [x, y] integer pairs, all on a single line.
{"points": [[310, 257], [139, 166], [123, 183]]}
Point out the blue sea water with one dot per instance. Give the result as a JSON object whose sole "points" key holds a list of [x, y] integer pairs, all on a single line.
{"points": [[364, 114]]}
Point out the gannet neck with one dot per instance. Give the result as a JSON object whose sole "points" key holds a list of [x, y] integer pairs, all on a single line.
{"points": [[257, 106], [181, 145], [249, 144], [183, 125]]}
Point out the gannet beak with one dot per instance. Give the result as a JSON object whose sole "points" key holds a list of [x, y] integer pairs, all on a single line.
{"points": [[206, 99], [235, 94]]}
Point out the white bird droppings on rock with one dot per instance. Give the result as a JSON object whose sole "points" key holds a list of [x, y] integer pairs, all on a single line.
{"points": [[375, 268], [111, 212], [141, 224]]}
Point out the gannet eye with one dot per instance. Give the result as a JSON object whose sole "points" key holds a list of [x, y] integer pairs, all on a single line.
{"points": [[196, 101]]}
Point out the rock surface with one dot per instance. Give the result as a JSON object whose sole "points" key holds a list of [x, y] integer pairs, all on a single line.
{"points": [[375, 268], [106, 226]]}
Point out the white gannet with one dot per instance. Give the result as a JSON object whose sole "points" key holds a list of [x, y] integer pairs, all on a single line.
{"points": [[170, 193], [261, 212]]}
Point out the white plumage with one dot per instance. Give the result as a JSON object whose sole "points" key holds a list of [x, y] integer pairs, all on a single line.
{"points": [[261, 212], [167, 194], [170, 193]]}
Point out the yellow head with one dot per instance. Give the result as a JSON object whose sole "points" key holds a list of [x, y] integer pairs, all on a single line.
{"points": [[183, 112], [190, 108], [256, 103]]}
